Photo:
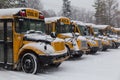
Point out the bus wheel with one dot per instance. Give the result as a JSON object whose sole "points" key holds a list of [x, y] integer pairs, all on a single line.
{"points": [[113, 45], [104, 49], [29, 63], [116, 45]]}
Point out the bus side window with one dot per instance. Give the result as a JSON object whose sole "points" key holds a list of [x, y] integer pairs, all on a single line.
{"points": [[1, 31], [76, 30], [9, 31], [1, 41], [48, 29]]}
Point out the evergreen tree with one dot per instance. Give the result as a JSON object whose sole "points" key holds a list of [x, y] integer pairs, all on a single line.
{"points": [[66, 9], [106, 11], [100, 12], [36, 4]]}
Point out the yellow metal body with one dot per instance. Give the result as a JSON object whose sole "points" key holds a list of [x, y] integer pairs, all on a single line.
{"points": [[53, 25], [19, 47], [52, 28], [104, 42], [77, 29]]}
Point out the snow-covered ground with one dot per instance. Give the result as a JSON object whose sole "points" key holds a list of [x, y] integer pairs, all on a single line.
{"points": [[102, 66]]}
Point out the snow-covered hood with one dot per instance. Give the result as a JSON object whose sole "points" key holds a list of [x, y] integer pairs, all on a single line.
{"points": [[97, 38], [115, 36], [41, 37], [78, 37], [67, 34], [108, 38], [92, 41], [103, 37], [36, 36], [49, 51], [90, 37], [81, 38]]}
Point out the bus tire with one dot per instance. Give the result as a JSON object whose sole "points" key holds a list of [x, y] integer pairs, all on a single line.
{"points": [[29, 63], [104, 49], [116, 45], [113, 45]]}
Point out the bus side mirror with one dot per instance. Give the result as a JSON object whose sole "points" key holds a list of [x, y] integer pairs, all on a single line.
{"points": [[85, 33], [53, 35], [96, 34], [72, 29]]}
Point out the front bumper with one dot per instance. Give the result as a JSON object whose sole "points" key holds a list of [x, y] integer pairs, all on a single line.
{"points": [[115, 45], [85, 50], [106, 46], [49, 59], [118, 43], [72, 52], [93, 49]]}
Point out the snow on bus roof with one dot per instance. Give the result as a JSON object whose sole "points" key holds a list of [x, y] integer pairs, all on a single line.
{"points": [[89, 24], [11, 11], [53, 19], [78, 22], [117, 29], [101, 26]]}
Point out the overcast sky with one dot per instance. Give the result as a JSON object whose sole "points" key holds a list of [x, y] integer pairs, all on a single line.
{"points": [[57, 4]]}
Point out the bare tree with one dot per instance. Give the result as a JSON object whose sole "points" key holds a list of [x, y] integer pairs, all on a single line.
{"points": [[49, 13], [81, 14], [6, 3], [36, 4], [100, 11], [66, 9], [2, 2], [106, 11], [111, 10], [116, 20]]}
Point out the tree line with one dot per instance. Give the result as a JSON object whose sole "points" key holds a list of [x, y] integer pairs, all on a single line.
{"points": [[106, 11]]}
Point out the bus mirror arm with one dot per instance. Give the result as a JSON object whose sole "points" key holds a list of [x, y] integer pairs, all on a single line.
{"points": [[53, 35]]}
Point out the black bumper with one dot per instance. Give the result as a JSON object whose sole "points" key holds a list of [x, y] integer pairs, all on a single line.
{"points": [[118, 44], [53, 58], [72, 53], [115, 45], [94, 49], [106, 46]]}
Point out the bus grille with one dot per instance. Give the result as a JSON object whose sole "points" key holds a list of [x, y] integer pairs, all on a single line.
{"points": [[83, 44], [110, 41], [99, 43]]}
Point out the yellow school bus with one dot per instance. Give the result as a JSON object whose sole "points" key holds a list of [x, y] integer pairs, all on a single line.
{"points": [[113, 33], [23, 43], [104, 44], [116, 31], [82, 30], [105, 32], [117, 34], [63, 29]]}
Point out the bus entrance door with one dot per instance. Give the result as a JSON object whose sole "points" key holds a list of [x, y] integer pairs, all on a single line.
{"points": [[6, 43]]}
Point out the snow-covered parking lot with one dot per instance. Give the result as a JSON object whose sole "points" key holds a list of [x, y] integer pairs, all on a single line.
{"points": [[102, 66]]}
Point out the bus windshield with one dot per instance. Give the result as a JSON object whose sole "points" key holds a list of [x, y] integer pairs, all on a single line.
{"points": [[110, 32], [96, 31], [24, 25], [83, 30], [65, 28]]}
